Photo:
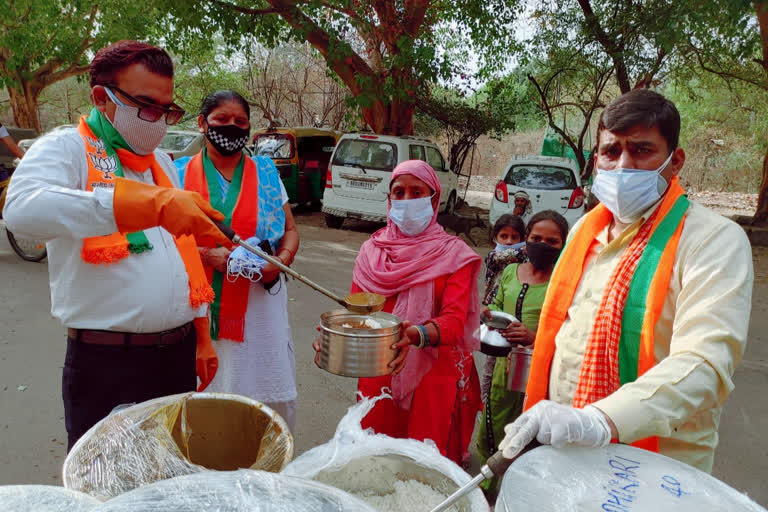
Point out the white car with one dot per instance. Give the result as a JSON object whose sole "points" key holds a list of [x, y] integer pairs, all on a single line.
{"points": [[550, 183], [357, 183], [26, 143], [181, 143]]}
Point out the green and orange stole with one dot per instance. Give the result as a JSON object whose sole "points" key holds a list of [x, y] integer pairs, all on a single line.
{"points": [[105, 163], [620, 346], [241, 211]]}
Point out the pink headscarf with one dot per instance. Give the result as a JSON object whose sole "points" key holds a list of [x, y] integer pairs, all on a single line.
{"points": [[391, 263]]}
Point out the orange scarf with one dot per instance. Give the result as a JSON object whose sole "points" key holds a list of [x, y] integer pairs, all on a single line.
{"points": [[644, 271], [112, 248], [231, 302]]}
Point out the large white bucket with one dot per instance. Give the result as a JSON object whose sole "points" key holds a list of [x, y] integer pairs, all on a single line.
{"points": [[617, 478]]}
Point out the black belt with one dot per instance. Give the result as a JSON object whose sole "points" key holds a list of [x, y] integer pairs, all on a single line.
{"points": [[113, 338]]}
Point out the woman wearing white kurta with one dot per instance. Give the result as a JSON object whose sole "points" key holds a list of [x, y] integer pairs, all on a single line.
{"points": [[249, 319]]}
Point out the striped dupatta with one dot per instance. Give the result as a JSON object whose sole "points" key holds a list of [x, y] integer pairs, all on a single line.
{"points": [[252, 207]]}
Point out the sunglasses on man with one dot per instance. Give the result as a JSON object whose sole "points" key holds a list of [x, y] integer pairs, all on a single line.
{"points": [[148, 111]]}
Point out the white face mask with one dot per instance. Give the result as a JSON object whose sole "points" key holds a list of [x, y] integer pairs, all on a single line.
{"points": [[143, 136], [412, 216], [627, 193]]}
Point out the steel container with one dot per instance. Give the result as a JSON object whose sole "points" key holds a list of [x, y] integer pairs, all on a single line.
{"points": [[498, 319], [519, 361], [393, 467], [357, 352]]}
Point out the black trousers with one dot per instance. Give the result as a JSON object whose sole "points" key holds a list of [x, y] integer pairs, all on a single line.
{"points": [[98, 378]]}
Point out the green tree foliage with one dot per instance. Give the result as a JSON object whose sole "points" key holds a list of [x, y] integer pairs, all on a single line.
{"points": [[385, 53], [723, 131], [498, 108], [580, 48], [43, 42], [729, 40], [204, 68], [571, 91], [633, 37]]}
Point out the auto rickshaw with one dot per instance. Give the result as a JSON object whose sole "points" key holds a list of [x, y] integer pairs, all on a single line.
{"points": [[301, 156]]}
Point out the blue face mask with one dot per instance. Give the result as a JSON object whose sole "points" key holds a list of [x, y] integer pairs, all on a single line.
{"points": [[627, 193], [503, 247], [412, 216]]}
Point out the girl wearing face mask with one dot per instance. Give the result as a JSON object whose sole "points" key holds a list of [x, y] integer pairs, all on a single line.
{"points": [[429, 279], [249, 317], [521, 293], [507, 235]]}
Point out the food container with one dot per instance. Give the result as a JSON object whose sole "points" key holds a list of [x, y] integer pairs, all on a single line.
{"points": [[176, 435], [492, 343], [498, 319], [614, 478], [244, 490], [519, 365], [350, 348], [378, 475], [44, 498], [367, 464]]}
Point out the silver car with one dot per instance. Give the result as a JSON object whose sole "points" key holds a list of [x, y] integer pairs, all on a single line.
{"points": [[179, 143]]}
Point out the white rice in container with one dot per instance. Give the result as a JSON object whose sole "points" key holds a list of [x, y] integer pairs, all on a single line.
{"points": [[369, 323], [410, 495]]}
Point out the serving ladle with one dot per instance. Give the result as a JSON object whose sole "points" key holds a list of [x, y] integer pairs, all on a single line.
{"points": [[362, 302]]}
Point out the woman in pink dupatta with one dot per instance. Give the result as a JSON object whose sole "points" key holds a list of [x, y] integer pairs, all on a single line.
{"points": [[430, 281]]}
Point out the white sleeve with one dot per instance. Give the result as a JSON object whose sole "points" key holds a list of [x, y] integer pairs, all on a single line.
{"points": [[708, 341], [4, 132], [46, 199]]}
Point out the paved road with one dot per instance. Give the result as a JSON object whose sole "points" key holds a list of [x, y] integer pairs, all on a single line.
{"points": [[32, 435]]}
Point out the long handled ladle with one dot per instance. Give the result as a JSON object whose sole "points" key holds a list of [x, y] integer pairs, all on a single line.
{"points": [[496, 465], [363, 302]]}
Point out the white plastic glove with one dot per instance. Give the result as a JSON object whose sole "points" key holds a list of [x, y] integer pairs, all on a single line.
{"points": [[558, 425]]}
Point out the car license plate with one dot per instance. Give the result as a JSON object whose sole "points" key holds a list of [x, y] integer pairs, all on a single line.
{"points": [[367, 185]]}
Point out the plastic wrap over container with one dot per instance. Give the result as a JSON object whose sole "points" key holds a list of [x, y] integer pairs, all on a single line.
{"points": [[44, 498], [235, 491], [617, 478], [176, 435], [363, 463]]}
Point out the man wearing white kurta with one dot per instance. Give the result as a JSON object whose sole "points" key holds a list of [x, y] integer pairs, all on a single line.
{"points": [[619, 356], [130, 331]]}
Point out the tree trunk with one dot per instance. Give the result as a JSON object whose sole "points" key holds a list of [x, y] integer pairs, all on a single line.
{"points": [[395, 118], [24, 105], [761, 214]]}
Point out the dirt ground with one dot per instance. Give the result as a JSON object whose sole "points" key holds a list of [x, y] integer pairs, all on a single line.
{"points": [[32, 344]]}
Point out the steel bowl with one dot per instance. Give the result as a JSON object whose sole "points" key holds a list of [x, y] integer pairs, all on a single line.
{"points": [[352, 351], [492, 343], [519, 366], [498, 319]]}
